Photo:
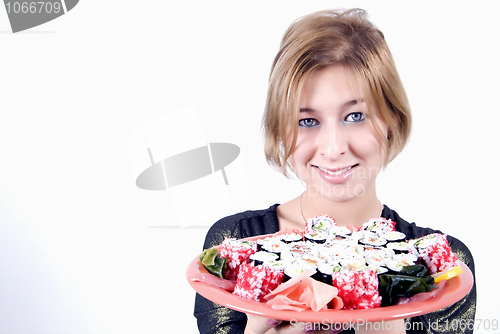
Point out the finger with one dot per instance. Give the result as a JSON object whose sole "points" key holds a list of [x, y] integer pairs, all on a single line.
{"points": [[260, 325]]}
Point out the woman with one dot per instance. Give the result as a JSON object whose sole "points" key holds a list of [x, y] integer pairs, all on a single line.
{"points": [[336, 114]]}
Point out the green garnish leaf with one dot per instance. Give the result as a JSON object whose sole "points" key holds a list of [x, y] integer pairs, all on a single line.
{"points": [[213, 262]]}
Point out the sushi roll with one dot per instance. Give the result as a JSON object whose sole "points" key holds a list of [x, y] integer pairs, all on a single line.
{"points": [[325, 271], [401, 247], [394, 236], [300, 249], [254, 282], [320, 224], [377, 256], [379, 225], [319, 238], [237, 252], [339, 251], [372, 239], [435, 252], [378, 270], [358, 290], [291, 238], [262, 242], [278, 265], [262, 257], [398, 261], [340, 231], [276, 247], [295, 269], [353, 264]]}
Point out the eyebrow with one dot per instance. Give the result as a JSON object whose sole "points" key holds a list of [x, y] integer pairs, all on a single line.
{"points": [[347, 104]]}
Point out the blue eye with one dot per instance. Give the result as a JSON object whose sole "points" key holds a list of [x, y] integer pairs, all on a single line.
{"points": [[355, 117], [308, 122]]}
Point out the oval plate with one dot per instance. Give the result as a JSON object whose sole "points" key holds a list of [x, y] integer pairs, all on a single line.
{"points": [[454, 290]]}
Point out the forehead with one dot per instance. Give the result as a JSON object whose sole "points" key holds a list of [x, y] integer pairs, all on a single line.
{"points": [[332, 87]]}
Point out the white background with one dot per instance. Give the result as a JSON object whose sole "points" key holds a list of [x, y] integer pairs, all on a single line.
{"points": [[82, 250]]}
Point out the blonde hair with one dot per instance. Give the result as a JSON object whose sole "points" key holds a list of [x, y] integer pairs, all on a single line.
{"points": [[323, 39]]}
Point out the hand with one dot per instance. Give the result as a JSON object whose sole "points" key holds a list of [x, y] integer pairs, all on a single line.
{"points": [[259, 325]]}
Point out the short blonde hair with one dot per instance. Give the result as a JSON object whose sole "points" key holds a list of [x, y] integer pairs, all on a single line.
{"points": [[323, 39]]}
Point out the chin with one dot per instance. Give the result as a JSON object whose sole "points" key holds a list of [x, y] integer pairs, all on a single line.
{"points": [[337, 193]]}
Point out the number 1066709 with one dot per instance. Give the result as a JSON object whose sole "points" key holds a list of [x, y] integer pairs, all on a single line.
{"points": [[35, 7]]}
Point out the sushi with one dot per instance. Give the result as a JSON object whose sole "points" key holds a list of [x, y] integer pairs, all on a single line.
{"points": [[263, 257], [434, 251], [254, 282], [320, 225], [238, 252], [352, 261], [358, 290]]}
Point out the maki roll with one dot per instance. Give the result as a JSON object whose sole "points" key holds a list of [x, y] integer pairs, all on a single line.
{"points": [[254, 282], [237, 252], [379, 225], [262, 242], [320, 225], [300, 249], [325, 271], [377, 257], [379, 270], [291, 238], [435, 252], [262, 257], [340, 231], [355, 263], [275, 247], [372, 239], [401, 247], [358, 290], [319, 238], [398, 261], [394, 236], [296, 269], [278, 265]]}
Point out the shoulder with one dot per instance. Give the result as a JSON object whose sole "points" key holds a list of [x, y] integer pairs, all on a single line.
{"points": [[243, 225]]}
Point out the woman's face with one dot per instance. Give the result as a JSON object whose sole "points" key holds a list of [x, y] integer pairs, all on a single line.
{"points": [[337, 152]]}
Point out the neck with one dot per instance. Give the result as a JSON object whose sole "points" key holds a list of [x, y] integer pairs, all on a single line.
{"points": [[353, 212]]}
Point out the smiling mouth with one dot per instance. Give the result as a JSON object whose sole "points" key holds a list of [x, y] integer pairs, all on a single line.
{"points": [[336, 172]]}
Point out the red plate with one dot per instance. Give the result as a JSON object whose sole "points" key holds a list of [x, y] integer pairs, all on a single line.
{"points": [[454, 290]]}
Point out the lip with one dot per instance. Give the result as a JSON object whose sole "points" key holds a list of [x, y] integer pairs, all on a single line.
{"points": [[336, 175]]}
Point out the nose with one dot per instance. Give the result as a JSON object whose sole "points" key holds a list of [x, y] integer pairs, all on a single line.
{"points": [[332, 141]]}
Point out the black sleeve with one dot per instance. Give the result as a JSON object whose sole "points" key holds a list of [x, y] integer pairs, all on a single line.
{"points": [[213, 318], [457, 318]]}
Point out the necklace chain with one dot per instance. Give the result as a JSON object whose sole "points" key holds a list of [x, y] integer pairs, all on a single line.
{"points": [[300, 206], [304, 219]]}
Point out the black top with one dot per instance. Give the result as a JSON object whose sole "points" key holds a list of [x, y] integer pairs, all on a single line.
{"points": [[214, 318]]}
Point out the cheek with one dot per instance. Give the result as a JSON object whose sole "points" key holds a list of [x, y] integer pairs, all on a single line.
{"points": [[301, 155], [368, 146]]}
